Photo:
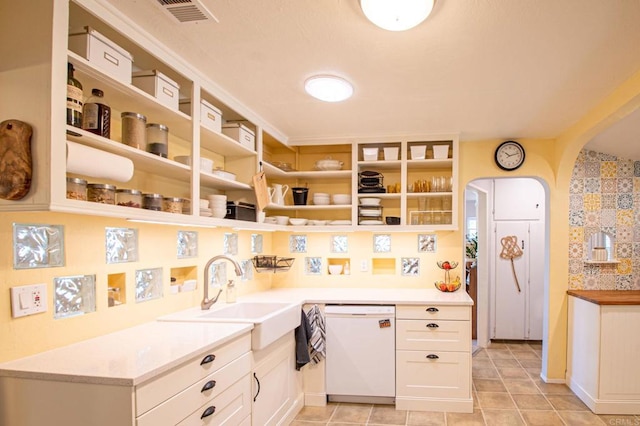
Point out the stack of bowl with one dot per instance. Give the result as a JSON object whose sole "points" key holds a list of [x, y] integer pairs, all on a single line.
{"points": [[321, 199], [341, 199], [218, 205]]}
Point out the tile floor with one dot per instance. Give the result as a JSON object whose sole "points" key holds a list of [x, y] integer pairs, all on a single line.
{"points": [[507, 390]]}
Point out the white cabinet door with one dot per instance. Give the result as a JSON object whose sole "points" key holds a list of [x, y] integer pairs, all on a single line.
{"points": [[518, 199]]}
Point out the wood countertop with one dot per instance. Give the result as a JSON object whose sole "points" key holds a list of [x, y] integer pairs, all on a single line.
{"points": [[608, 297]]}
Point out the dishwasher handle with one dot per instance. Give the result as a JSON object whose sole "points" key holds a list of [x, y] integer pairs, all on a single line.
{"points": [[433, 356], [432, 325]]}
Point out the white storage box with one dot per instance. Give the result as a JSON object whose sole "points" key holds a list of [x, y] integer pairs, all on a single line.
{"points": [[440, 151], [241, 133], [102, 52], [210, 116], [158, 85]]}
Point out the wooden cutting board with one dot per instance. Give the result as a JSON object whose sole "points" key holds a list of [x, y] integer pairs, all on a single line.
{"points": [[15, 159], [260, 188]]}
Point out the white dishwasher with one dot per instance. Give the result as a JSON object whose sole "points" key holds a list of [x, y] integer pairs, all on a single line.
{"points": [[361, 353]]}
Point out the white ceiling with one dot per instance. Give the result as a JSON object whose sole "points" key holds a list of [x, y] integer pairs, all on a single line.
{"points": [[482, 68]]}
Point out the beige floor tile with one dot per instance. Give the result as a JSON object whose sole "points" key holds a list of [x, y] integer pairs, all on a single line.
{"points": [[518, 346], [499, 362], [531, 402], [474, 395], [482, 353], [512, 373], [489, 385], [425, 418], [575, 418], [499, 354], [346, 424], [305, 423], [387, 415], [352, 413], [542, 418], [465, 419], [533, 372], [485, 373], [498, 400], [482, 362], [317, 414], [520, 386], [530, 362], [498, 345], [502, 417], [525, 355], [552, 388], [567, 402], [615, 420]]}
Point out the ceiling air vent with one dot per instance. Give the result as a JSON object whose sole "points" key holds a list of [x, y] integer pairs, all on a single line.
{"points": [[187, 11]]}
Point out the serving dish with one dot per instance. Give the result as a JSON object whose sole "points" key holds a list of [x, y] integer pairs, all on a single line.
{"points": [[370, 201], [297, 221], [340, 222], [329, 164]]}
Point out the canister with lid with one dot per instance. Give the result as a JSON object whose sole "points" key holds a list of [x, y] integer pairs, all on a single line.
{"points": [[134, 130], [129, 198], [158, 139], [76, 189], [172, 204], [152, 202], [101, 193]]}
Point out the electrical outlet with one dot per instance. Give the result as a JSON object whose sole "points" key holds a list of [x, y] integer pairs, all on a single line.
{"points": [[364, 265], [28, 300]]}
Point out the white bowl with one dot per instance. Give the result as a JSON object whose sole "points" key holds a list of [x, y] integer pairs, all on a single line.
{"points": [[270, 219], [218, 212], [321, 201], [224, 174], [370, 201], [282, 220], [204, 204], [335, 269], [297, 221], [318, 222], [341, 199]]}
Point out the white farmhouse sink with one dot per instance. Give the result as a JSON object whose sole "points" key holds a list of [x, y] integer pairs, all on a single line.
{"points": [[271, 320]]}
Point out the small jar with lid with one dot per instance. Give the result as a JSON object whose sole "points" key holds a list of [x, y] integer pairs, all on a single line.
{"points": [[129, 198], [101, 193], [76, 189], [158, 139], [172, 204], [134, 131], [152, 202]]}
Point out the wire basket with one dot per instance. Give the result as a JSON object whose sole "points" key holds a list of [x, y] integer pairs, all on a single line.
{"points": [[268, 263]]}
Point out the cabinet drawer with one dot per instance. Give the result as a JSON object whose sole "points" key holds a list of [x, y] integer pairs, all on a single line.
{"points": [[447, 376], [188, 400], [433, 312], [230, 408], [433, 335], [157, 390]]}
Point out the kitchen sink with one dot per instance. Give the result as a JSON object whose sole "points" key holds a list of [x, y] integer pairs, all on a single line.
{"points": [[271, 320]]}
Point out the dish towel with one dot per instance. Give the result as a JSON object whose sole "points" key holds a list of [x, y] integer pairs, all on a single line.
{"points": [[302, 336], [318, 336]]}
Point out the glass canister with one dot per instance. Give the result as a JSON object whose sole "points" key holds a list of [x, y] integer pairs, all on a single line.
{"points": [[129, 198], [76, 189], [158, 139], [101, 193], [152, 202], [134, 131], [172, 204]]}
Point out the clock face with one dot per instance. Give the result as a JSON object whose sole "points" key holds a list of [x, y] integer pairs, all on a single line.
{"points": [[509, 155]]}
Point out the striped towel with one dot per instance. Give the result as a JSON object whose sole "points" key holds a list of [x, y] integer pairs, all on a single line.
{"points": [[318, 336]]}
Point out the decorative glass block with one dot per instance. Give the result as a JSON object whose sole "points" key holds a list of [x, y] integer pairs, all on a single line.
{"points": [[74, 295], [339, 244], [313, 265], [298, 243], [218, 274], [148, 284], [37, 246], [121, 245], [427, 243], [230, 243], [187, 244], [382, 243], [411, 266], [247, 270], [256, 243]]}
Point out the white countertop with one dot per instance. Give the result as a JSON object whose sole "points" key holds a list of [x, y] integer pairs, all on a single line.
{"points": [[137, 354]]}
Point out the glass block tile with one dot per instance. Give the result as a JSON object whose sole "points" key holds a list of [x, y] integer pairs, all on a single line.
{"points": [[382, 243], [427, 243], [148, 284], [247, 270], [230, 243], [256, 243], [339, 244], [218, 274], [298, 243], [37, 246], [187, 244], [121, 245], [74, 295], [313, 265], [410, 266]]}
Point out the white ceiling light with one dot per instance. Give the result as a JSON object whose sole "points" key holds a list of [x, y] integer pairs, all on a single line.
{"points": [[396, 15], [328, 88]]}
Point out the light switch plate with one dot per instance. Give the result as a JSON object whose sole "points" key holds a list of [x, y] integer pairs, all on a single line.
{"points": [[28, 300]]}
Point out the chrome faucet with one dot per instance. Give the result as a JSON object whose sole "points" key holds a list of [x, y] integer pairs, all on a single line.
{"points": [[206, 302]]}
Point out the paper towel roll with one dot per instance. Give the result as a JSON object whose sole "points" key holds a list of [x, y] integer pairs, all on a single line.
{"points": [[87, 161]]}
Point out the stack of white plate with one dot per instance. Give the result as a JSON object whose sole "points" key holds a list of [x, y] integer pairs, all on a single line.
{"points": [[321, 199], [370, 201]]}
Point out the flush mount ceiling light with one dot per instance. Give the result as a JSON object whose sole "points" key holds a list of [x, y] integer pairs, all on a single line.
{"points": [[328, 88], [396, 15]]}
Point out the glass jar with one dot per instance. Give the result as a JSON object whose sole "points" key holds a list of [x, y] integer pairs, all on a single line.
{"points": [[76, 189], [101, 193], [129, 198], [96, 115], [172, 204], [158, 139], [134, 130], [152, 202], [114, 296]]}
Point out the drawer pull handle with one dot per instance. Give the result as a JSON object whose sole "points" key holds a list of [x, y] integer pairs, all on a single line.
{"points": [[209, 385], [432, 310], [209, 411], [258, 382], [207, 359], [432, 325], [433, 356]]}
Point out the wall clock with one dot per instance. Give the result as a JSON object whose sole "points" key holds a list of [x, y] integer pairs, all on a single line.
{"points": [[509, 155]]}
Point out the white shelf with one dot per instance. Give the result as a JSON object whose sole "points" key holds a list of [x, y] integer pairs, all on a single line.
{"points": [[223, 144], [380, 164], [213, 181], [274, 172], [429, 164], [309, 207]]}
